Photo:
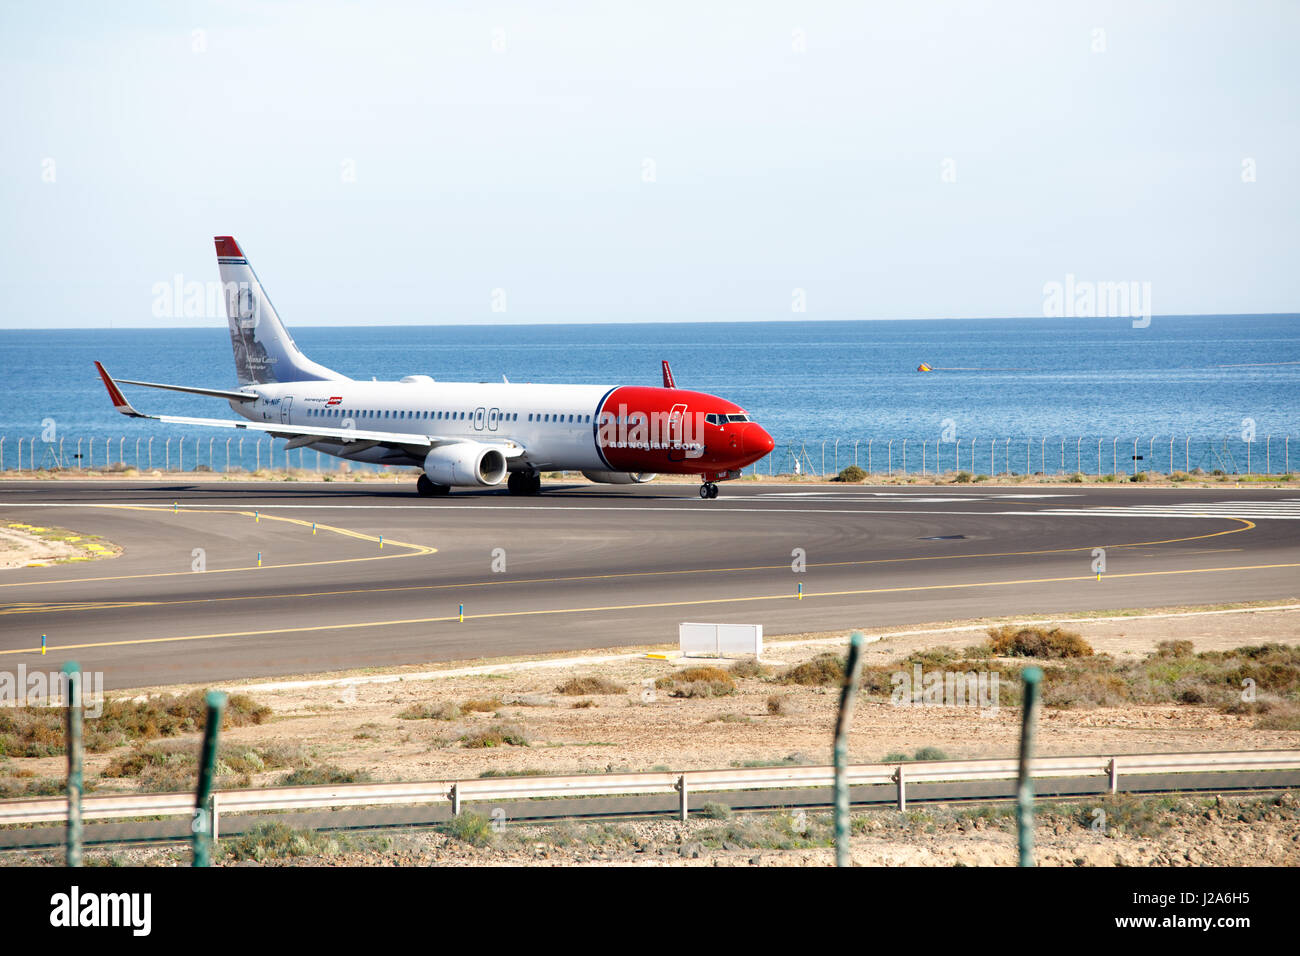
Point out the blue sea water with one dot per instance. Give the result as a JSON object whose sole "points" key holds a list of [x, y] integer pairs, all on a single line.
{"points": [[1197, 377]]}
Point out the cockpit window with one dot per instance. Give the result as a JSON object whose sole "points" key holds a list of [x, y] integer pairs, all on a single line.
{"points": [[737, 418]]}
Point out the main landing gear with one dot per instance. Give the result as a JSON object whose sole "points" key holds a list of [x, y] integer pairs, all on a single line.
{"points": [[524, 483], [708, 490], [428, 489]]}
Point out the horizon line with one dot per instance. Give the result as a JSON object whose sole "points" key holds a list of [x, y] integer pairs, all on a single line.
{"points": [[219, 323]]}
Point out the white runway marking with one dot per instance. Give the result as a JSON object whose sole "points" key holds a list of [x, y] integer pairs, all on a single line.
{"points": [[1284, 510], [897, 496]]}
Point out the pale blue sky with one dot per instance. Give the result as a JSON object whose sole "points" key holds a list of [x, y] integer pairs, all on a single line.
{"points": [[481, 168]]}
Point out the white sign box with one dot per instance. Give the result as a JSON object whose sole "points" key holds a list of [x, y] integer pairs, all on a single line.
{"points": [[720, 640]]}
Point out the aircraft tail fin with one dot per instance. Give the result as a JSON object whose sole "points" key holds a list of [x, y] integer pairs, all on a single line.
{"points": [[265, 352]]}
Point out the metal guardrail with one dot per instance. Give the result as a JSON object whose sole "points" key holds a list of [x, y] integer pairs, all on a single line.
{"points": [[458, 792]]}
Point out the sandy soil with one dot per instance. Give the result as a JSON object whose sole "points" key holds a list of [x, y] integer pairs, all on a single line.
{"points": [[352, 721], [31, 546]]}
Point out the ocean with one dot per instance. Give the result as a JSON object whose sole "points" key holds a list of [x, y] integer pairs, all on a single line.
{"points": [[1034, 387]]}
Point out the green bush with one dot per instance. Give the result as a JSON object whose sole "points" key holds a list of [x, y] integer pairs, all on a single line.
{"points": [[270, 841], [472, 828], [962, 478], [851, 474]]}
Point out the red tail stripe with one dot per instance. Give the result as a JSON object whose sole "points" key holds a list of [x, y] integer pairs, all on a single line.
{"points": [[226, 246]]}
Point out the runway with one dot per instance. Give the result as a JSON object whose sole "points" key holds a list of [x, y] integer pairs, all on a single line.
{"points": [[586, 566]]}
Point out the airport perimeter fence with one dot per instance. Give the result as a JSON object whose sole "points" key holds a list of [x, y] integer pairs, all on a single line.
{"points": [[1086, 455], [996, 455]]}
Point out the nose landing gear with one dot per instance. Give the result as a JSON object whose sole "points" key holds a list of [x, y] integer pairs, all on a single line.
{"points": [[708, 490]]}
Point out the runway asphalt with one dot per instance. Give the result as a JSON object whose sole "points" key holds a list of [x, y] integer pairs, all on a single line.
{"points": [[586, 566]]}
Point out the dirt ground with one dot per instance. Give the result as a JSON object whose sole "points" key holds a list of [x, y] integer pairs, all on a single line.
{"points": [[361, 723], [355, 721]]}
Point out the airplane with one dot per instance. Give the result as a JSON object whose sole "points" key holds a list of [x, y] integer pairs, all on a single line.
{"points": [[462, 434]]}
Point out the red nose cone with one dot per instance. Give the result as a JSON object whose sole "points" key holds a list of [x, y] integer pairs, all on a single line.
{"points": [[756, 441]]}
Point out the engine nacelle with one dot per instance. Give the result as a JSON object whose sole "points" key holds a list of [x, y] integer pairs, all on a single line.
{"points": [[465, 463], [619, 477]]}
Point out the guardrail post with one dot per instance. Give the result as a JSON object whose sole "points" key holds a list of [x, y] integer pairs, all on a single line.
{"points": [[1112, 774], [72, 687], [902, 789], [455, 799], [848, 696], [1032, 678], [683, 799], [216, 830], [202, 827]]}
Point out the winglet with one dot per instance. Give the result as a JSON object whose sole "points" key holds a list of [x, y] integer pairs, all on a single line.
{"points": [[115, 393], [668, 376]]}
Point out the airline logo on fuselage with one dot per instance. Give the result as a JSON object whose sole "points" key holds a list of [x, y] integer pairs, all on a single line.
{"points": [[335, 400], [658, 431]]}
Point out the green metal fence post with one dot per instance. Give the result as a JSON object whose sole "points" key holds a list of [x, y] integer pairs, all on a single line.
{"points": [[1032, 678], [848, 696], [72, 684], [201, 827]]}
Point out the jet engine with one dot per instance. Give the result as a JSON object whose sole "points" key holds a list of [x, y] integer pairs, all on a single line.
{"points": [[465, 463]]}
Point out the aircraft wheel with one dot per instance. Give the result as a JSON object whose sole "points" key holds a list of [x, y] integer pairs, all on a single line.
{"points": [[713, 490], [522, 483], [428, 489]]}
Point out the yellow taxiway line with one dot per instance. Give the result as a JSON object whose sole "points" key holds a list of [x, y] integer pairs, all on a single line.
{"points": [[787, 596]]}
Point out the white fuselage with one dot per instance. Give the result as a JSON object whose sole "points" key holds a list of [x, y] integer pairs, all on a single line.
{"points": [[554, 423]]}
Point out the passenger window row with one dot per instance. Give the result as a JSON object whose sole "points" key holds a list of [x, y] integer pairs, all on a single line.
{"points": [[442, 416]]}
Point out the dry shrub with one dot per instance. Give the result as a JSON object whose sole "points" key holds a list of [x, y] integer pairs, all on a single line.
{"points": [[441, 711], [821, 670], [586, 686], [1093, 683], [38, 731], [498, 735], [750, 668], [698, 682], [481, 706], [323, 774], [1284, 717], [1052, 643]]}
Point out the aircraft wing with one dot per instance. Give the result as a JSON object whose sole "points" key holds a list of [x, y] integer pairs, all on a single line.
{"points": [[299, 435]]}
